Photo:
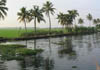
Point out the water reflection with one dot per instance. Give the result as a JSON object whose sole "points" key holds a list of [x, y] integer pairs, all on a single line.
{"points": [[2, 66], [26, 43], [36, 62], [72, 51], [67, 49], [50, 48], [48, 64]]}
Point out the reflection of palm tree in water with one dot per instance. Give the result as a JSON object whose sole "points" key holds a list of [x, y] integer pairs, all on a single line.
{"points": [[37, 62], [32, 62], [2, 65], [26, 43], [91, 42], [67, 49], [48, 64], [50, 49], [35, 43]]}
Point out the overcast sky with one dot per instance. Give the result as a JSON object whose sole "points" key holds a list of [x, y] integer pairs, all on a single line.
{"points": [[83, 6]]}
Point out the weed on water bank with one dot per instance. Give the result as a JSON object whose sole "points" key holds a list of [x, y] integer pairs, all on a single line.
{"points": [[25, 51], [16, 52], [60, 31]]}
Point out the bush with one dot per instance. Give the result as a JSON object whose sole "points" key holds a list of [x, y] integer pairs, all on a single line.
{"points": [[10, 52], [25, 51]]}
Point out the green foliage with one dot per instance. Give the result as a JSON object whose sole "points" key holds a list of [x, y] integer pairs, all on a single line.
{"points": [[80, 21], [3, 9], [10, 52], [44, 31], [17, 33], [25, 51], [57, 31], [89, 17], [48, 8], [74, 66]]}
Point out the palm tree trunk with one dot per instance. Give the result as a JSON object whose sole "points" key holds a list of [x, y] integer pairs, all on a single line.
{"points": [[63, 28], [35, 25], [49, 24], [90, 23], [25, 25], [75, 22]]}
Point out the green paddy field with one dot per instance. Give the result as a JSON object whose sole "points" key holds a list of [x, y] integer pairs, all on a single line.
{"points": [[19, 32], [12, 32]]}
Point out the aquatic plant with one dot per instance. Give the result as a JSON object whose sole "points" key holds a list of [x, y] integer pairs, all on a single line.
{"points": [[10, 52], [25, 51]]}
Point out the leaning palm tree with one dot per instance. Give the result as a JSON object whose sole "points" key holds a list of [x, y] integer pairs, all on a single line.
{"points": [[3, 9], [89, 17], [74, 14], [36, 15], [80, 21], [48, 9], [23, 16]]}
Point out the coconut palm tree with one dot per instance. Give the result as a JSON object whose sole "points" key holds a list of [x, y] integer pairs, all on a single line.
{"points": [[80, 21], [3, 9], [64, 19], [69, 20], [73, 14], [98, 20], [89, 17], [36, 15], [23, 16], [95, 21], [48, 9], [61, 19]]}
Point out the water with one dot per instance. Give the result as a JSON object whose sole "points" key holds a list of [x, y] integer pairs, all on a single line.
{"points": [[74, 53]]}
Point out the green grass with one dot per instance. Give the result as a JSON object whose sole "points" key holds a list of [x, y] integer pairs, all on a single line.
{"points": [[25, 51], [12, 33], [15, 32]]}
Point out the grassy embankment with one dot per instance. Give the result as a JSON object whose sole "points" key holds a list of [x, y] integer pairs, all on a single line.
{"points": [[16, 33]]}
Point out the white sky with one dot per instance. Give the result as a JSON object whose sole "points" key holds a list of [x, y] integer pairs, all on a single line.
{"points": [[83, 6]]}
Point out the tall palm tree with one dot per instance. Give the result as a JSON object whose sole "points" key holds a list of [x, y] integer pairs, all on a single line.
{"points": [[48, 9], [80, 21], [74, 14], [36, 15], [23, 16], [3, 9], [89, 17]]}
